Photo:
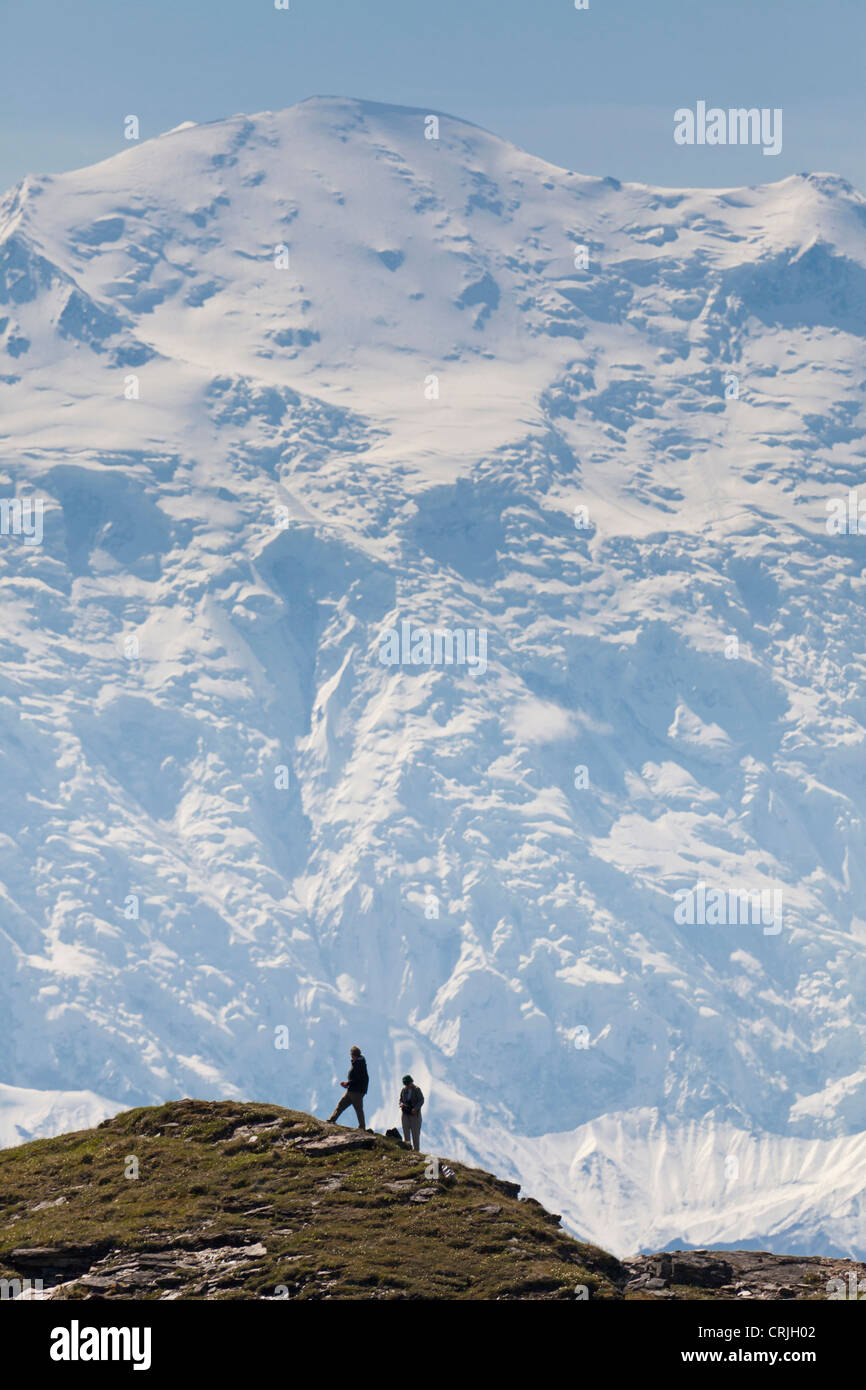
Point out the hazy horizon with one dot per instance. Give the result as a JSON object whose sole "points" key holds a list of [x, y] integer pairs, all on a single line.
{"points": [[570, 86]]}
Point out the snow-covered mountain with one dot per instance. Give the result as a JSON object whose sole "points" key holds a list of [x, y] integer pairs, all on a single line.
{"points": [[275, 387]]}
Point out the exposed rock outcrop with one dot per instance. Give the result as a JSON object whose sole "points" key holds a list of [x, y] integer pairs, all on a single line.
{"points": [[755, 1274]]}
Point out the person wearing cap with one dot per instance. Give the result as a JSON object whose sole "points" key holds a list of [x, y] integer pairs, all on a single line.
{"points": [[411, 1100], [355, 1088]]}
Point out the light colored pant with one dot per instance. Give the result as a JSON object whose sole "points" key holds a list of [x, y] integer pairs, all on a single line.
{"points": [[412, 1130], [351, 1098]]}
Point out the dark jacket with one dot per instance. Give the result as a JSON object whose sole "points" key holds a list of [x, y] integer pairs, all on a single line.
{"points": [[411, 1098], [358, 1078]]}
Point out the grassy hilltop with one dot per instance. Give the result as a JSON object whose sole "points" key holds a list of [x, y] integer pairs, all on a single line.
{"points": [[242, 1200]]}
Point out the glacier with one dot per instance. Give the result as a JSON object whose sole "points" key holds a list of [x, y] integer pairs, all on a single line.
{"points": [[284, 382]]}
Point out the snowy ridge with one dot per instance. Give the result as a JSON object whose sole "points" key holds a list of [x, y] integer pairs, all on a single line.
{"points": [[26, 1115], [630, 1180], [431, 876]]}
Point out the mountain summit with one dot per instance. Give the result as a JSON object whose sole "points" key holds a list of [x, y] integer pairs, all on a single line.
{"points": [[301, 412]]}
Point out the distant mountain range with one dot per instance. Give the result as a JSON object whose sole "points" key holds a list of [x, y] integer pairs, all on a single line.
{"points": [[281, 391]]}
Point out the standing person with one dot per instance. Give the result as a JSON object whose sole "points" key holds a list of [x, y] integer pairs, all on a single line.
{"points": [[411, 1100], [355, 1088]]}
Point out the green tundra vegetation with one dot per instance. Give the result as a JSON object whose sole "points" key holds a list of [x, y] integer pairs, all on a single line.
{"points": [[202, 1199]]}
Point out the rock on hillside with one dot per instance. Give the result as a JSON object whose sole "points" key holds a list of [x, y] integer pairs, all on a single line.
{"points": [[734, 1274]]}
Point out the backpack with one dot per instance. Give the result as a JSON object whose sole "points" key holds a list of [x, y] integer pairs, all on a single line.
{"points": [[363, 1075]]}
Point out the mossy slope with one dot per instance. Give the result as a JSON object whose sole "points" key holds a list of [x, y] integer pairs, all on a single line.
{"points": [[230, 1201]]}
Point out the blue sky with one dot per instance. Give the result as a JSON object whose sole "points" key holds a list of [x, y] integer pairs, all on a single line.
{"points": [[592, 90]]}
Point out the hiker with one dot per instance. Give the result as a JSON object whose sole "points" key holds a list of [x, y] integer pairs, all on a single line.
{"points": [[355, 1088], [411, 1100]]}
